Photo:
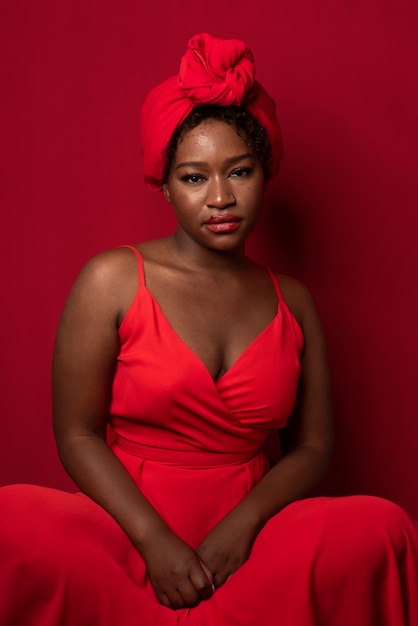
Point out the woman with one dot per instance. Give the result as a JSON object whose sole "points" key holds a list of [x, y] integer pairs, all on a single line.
{"points": [[193, 353]]}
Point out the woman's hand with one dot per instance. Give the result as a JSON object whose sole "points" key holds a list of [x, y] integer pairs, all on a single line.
{"points": [[228, 546], [178, 575]]}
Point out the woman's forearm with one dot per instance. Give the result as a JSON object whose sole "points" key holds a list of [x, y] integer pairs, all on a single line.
{"points": [[292, 478], [99, 474]]}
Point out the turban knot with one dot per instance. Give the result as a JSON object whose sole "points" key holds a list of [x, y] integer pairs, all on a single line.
{"points": [[217, 71]]}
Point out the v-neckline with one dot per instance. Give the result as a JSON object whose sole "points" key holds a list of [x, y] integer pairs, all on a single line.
{"points": [[194, 355]]}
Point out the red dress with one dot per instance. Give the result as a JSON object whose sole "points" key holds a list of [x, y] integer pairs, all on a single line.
{"points": [[194, 448]]}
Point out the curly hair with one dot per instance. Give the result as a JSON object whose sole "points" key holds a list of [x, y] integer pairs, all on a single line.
{"points": [[246, 126]]}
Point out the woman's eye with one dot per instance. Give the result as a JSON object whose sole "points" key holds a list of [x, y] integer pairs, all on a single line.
{"points": [[192, 178], [241, 172]]}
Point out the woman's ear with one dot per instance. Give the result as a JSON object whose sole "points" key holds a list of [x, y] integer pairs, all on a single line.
{"points": [[166, 192]]}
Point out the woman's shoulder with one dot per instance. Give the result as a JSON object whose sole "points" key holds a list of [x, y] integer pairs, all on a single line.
{"points": [[298, 299], [116, 264], [104, 288], [112, 277], [108, 268]]}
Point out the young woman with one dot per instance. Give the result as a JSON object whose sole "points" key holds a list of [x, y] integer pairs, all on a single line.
{"points": [[193, 354]]}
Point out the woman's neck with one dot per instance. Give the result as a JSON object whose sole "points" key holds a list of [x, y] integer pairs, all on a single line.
{"points": [[192, 255]]}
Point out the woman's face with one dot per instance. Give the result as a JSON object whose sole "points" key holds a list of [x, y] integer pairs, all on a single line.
{"points": [[216, 186]]}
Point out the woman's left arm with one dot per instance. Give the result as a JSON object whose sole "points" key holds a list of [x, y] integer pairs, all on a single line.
{"points": [[307, 445]]}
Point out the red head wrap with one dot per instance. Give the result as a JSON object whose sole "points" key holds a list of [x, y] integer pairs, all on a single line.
{"points": [[213, 71]]}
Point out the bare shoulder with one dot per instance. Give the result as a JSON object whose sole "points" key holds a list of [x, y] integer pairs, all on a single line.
{"points": [[109, 266], [301, 304], [106, 284], [298, 299]]}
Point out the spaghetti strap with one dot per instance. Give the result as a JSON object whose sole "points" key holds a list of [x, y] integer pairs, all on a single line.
{"points": [[283, 305], [275, 283], [141, 272]]}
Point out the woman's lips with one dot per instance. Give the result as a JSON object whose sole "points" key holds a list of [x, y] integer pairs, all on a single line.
{"points": [[222, 223]]}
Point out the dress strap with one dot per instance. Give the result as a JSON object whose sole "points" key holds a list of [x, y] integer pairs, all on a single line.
{"points": [[141, 273], [275, 283]]}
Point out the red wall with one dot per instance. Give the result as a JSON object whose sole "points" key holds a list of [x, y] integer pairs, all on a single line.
{"points": [[342, 216]]}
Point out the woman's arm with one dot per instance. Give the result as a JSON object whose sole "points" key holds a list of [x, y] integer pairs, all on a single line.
{"points": [[307, 450], [85, 354]]}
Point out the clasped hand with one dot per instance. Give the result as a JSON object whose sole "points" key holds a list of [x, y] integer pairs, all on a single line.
{"points": [[182, 577]]}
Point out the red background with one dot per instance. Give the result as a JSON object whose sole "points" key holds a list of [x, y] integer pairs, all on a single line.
{"points": [[342, 216]]}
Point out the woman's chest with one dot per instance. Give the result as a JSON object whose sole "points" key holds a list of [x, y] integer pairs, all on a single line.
{"points": [[217, 321]]}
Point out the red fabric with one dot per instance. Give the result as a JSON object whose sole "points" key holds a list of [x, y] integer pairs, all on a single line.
{"points": [[212, 71], [320, 561], [339, 561], [217, 71]]}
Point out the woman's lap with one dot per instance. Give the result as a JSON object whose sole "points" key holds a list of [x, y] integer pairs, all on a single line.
{"points": [[319, 561]]}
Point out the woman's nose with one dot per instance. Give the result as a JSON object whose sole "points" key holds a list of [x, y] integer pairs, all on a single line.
{"points": [[220, 194]]}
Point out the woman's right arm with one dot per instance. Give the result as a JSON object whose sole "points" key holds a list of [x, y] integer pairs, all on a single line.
{"points": [[85, 354]]}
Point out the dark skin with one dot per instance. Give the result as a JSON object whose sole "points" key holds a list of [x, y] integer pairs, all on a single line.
{"points": [[218, 301]]}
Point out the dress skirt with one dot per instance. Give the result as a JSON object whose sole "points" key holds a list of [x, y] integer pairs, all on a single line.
{"points": [[349, 561]]}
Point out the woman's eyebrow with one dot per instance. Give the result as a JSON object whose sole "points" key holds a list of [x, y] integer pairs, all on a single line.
{"points": [[231, 160], [241, 157]]}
